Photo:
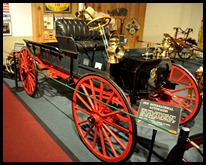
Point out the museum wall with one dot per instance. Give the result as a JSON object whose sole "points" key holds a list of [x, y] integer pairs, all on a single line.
{"points": [[39, 15], [135, 13], [155, 19], [162, 17], [21, 26]]}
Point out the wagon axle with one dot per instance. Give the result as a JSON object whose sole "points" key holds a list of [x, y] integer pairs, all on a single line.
{"points": [[95, 119], [91, 120]]}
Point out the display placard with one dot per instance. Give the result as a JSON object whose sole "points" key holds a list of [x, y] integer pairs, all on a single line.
{"points": [[163, 115]]}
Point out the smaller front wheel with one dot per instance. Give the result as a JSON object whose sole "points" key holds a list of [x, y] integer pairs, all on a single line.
{"points": [[185, 95], [27, 71]]}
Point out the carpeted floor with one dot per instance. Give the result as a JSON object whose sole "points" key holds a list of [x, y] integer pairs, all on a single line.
{"points": [[24, 140]]}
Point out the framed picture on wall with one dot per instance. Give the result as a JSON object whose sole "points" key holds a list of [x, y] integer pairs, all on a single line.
{"points": [[58, 7], [6, 24], [6, 28]]}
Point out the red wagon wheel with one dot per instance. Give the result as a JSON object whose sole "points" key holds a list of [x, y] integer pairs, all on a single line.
{"points": [[28, 72], [98, 105], [185, 95]]}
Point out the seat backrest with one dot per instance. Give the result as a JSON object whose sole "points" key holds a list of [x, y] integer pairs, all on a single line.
{"points": [[66, 43], [74, 35], [76, 29]]}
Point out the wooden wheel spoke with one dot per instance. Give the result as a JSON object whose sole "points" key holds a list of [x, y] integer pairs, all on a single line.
{"points": [[102, 142], [110, 143], [114, 136], [95, 137], [120, 128], [186, 98], [89, 130], [122, 118], [180, 78], [82, 122], [182, 104], [89, 99], [83, 101], [110, 114], [82, 110], [93, 93], [32, 74], [30, 84], [109, 100], [181, 89], [101, 94], [177, 98]]}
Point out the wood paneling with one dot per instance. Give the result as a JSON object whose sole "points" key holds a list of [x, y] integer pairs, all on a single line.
{"points": [[39, 34], [135, 10]]}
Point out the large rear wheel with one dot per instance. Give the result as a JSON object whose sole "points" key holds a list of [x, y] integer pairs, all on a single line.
{"points": [[27, 71], [98, 106]]}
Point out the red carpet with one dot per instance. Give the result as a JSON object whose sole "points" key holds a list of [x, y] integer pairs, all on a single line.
{"points": [[24, 140]]}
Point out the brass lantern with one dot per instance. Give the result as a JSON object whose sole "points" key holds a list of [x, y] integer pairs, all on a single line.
{"points": [[115, 49]]}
